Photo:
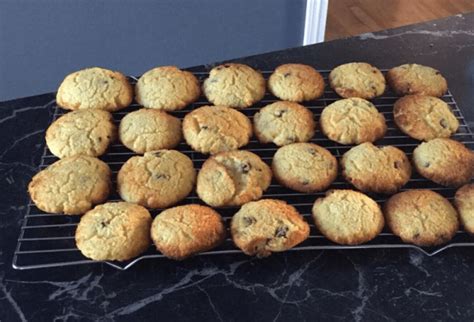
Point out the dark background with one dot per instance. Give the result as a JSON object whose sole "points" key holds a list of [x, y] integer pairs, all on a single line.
{"points": [[43, 40]]}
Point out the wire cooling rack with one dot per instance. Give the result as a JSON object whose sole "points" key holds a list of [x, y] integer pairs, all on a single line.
{"points": [[47, 240]]}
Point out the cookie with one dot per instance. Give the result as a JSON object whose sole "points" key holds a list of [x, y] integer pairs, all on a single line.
{"points": [[183, 231], [421, 217], [376, 169], [149, 130], [167, 88], [357, 80], [352, 121], [424, 117], [214, 129], [416, 79], [284, 123], [233, 178], [234, 85], [85, 132], [72, 185], [114, 231], [464, 201], [304, 167], [444, 161], [157, 179], [296, 83], [95, 88], [262, 227], [348, 217]]}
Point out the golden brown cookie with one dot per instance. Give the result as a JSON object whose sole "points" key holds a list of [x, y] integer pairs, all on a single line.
{"points": [[72, 185], [183, 231], [348, 217], [214, 129], [464, 201], [296, 83], [376, 169], [444, 161], [421, 217], [262, 227], [234, 85], [284, 123], [233, 178], [114, 231], [167, 88], [157, 179], [352, 121], [424, 117], [86, 132], [357, 80], [304, 167], [410, 79], [149, 130], [95, 88]]}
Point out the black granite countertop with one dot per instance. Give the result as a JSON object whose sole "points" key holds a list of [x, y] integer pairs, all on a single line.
{"points": [[360, 285]]}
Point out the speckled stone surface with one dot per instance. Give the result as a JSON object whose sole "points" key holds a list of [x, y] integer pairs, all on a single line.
{"points": [[362, 285]]}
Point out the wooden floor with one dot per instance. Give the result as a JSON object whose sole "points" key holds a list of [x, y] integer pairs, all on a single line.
{"points": [[352, 17]]}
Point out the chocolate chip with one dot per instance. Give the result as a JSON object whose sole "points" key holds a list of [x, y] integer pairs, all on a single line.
{"points": [[374, 71], [397, 164], [100, 139], [245, 167], [443, 123], [158, 154], [279, 113], [213, 80], [103, 224], [426, 164], [204, 127], [437, 73], [286, 75], [219, 68], [162, 176], [312, 151], [291, 139], [249, 221], [226, 66], [305, 182], [416, 235], [105, 82], [281, 231], [108, 136]]}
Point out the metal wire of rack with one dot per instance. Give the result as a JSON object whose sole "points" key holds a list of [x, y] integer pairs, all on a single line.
{"points": [[47, 240]]}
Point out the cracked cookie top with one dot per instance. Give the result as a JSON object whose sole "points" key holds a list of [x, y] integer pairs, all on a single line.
{"points": [[214, 129], [114, 231], [149, 130], [424, 117], [234, 85], [71, 185], [167, 88], [296, 83], [352, 121], [95, 88], [304, 167], [265, 226], [357, 80], [284, 123], [87, 132], [232, 179], [157, 179], [421, 217], [184, 231], [444, 161], [348, 217], [376, 169], [417, 79]]}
